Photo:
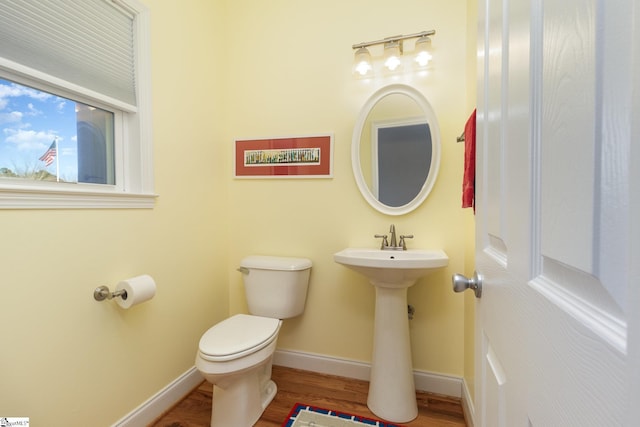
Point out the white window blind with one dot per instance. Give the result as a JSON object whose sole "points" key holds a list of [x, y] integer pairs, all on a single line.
{"points": [[95, 53], [87, 42]]}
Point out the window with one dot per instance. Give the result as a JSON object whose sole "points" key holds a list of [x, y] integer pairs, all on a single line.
{"points": [[50, 138], [75, 120]]}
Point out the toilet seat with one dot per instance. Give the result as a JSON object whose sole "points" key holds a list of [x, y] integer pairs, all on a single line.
{"points": [[238, 336]]}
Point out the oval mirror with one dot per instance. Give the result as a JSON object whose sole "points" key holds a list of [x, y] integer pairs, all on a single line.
{"points": [[395, 152]]}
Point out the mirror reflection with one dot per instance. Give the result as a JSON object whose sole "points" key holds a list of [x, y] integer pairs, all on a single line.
{"points": [[395, 149]]}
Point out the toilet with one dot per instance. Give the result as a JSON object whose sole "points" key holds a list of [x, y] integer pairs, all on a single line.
{"points": [[236, 354]]}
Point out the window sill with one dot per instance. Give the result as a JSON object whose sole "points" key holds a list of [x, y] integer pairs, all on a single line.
{"points": [[37, 198]]}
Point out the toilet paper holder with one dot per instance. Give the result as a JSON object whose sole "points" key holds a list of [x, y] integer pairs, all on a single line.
{"points": [[102, 293]]}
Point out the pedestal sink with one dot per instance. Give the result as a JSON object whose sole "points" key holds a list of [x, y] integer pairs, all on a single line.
{"points": [[392, 394]]}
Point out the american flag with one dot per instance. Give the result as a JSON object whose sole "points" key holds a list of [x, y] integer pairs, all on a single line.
{"points": [[50, 154]]}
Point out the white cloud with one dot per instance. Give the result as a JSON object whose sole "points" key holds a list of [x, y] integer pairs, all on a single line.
{"points": [[24, 139], [12, 117], [12, 90], [17, 132], [33, 111], [60, 104], [68, 151]]}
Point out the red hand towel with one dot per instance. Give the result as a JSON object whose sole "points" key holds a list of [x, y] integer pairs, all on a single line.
{"points": [[469, 177]]}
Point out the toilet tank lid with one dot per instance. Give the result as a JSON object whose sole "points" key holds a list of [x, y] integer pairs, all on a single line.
{"points": [[265, 262]]}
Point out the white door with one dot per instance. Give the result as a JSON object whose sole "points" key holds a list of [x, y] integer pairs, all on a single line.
{"points": [[557, 213]]}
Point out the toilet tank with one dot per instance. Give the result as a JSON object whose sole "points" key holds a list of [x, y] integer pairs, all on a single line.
{"points": [[275, 287]]}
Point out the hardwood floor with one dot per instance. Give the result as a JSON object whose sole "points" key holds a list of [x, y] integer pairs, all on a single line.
{"points": [[311, 388]]}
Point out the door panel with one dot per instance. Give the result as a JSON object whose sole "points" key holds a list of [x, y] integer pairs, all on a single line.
{"points": [[493, 113], [553, 223], [567, 140], [495, 383]]}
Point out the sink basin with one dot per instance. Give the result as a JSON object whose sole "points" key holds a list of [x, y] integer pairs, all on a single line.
{"points": [[392, 394], [392, 268]]}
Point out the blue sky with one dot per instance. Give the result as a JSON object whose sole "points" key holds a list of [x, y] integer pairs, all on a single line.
{"points": [[29, 122]]}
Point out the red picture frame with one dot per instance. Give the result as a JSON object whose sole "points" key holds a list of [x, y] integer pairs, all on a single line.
{"points": [[284, 157]]}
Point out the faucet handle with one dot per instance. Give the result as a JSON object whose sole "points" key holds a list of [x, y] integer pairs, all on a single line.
{"points": [[385, 243], [403, 243]]}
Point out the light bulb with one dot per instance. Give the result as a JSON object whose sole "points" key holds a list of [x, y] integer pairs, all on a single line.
{"points": [[423, 56], [392, 55], [362, 62]]}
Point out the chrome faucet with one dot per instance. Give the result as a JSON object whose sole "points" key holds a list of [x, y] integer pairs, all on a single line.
{"points": [[393, 245]]}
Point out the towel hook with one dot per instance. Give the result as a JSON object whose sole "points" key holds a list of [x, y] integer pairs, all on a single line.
{"points": [[102, 292]]}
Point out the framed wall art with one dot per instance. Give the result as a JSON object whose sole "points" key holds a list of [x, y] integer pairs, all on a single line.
{"points": [[284, 157]]}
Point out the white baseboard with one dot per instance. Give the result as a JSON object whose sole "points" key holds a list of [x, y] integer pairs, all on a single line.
{"points": [[467, 405], [425, 381], [322, 364], [429, 382], [163, 400]]}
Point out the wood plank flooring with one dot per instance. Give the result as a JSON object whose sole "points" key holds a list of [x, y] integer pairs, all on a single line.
{"points": [[344, 394]]}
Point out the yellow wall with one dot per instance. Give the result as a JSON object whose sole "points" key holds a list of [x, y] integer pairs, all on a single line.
{"points": [[222, 70], [291, 63], [68, 360]]}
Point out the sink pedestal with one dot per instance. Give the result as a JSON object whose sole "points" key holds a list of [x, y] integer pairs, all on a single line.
{"points": [[392, 394]]}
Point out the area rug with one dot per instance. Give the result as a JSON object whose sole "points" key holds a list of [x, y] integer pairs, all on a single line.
{"points": [[311, 416]]}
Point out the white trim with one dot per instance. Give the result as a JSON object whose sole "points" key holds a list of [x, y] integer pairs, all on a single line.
{"points": [[322, 364], [163, 400], [431, 118], [467, 405], [19, 72], [144, 179], [134, 187], [429, 382], [599, 321], [34, 198]]}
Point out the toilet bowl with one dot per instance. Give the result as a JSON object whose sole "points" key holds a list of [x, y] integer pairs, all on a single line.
{"points": [[236, 354]]}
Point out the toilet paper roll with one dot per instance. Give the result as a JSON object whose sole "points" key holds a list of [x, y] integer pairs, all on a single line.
{"points": [[139, 289]]}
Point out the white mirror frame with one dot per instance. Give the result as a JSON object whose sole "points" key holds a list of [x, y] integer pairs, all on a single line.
{"points": [[435, 142]]}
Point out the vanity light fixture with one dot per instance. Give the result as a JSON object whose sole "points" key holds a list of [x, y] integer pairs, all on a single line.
{"points": [[392, 54], [363, 65], [423, 54], [393, 51]]}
